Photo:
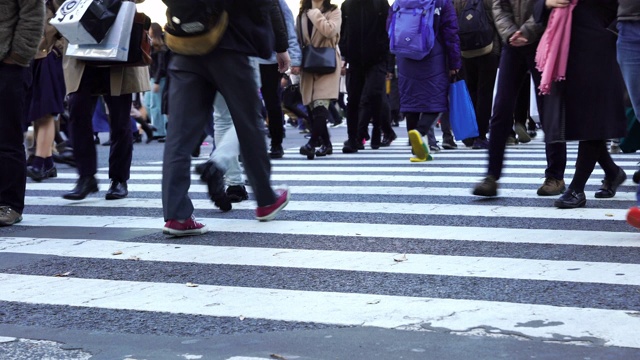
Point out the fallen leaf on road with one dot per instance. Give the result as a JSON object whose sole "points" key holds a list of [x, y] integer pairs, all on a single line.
{"points": [[401, 258], [241, 318], [135, 258], [191, 285], [117, 252], [279, 357], [609, 215], [63, 274], [373, 302]]}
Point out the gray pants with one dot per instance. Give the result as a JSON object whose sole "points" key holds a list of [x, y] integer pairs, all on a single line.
{"points": [[194, 82]]}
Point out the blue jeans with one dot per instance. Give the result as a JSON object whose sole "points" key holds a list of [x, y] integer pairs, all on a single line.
{"points": [[153, 102], [629, 59]]}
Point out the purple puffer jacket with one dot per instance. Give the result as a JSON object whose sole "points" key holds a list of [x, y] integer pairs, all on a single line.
{"points": [[424, 84]]}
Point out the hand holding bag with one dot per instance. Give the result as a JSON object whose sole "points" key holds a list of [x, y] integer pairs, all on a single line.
{"points": [[86, 21], [462, 114]]}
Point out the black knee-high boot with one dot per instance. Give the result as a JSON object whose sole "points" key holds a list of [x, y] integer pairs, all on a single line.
{"points": [[320, 115]]}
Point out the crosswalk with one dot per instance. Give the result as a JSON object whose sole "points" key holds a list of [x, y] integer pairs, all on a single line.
{"points": [[369, 239]]}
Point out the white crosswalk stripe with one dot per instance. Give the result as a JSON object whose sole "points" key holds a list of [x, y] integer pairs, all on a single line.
{"points": [[373, 214]]}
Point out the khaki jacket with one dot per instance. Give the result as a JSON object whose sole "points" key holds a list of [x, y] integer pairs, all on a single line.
{"points": [[124, 80], [51, 37], [513, 15], [326, 33]]}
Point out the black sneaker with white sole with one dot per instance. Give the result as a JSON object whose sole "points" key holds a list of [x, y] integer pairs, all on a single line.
{"points": [[237, 193], [214, 177]]}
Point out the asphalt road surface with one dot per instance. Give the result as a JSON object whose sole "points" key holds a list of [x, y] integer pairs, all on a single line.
{"points": [[374, 258]]}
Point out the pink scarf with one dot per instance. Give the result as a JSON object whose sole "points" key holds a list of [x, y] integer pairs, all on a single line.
{"points": [[553, 49]]}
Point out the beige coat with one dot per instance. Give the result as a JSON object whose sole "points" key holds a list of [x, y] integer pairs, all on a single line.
{"points": [[124, 80], [50, 38], [326, 33]]}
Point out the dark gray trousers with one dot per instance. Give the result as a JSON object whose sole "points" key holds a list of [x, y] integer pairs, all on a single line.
{"points": [[194, 82]]}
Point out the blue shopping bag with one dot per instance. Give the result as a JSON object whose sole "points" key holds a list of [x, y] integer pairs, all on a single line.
{"points": [[461, 111]]}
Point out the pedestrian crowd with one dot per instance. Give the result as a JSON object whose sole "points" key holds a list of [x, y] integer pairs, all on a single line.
{"points": [[233, 69]]}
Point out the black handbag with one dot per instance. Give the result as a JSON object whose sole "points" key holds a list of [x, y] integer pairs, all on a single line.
{"points": [[317, 60], [139, 48], [99, 17]]}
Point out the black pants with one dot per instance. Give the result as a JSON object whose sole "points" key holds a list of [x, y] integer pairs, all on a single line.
{"points": [[514, 64], [272, 96], [589, 153], [82, 104], [480, 76], [334, 114], [445, 126], [13, 176], [366, 88], [523, 103], [420, 121]]}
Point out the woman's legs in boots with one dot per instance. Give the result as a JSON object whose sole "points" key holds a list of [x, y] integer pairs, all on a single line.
{"points": [[589, 153], [42, 166], [319, 132]]}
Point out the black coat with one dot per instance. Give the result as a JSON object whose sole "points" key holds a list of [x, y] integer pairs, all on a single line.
{"points": [[363, 37], [588, 105], [256, 28]]}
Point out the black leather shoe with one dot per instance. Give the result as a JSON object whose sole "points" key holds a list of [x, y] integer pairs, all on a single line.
{"points": [[609, 188], [308, 150], [85, 186], [117, 190], [570, 200], [39, 174], [276, 152], [65, 157], [351, 146], [325, 150], [387, 140]]}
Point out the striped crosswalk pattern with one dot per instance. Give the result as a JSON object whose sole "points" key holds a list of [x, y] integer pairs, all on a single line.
{"points": [[369, 239]]}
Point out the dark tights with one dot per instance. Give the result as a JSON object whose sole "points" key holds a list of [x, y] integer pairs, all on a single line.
{"points": [[420, 121], [591, 152]]}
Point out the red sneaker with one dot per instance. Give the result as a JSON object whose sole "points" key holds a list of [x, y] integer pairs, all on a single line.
{"points": [[266, 213], [633, 217], [187, 228]]}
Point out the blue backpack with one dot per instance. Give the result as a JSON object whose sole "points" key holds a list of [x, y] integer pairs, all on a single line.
{"points": [[411, 33]]}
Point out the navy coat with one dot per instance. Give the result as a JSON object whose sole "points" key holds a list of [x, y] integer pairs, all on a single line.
{"points": [[424, 84]]}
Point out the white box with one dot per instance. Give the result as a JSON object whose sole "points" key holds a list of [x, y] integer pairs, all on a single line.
{"points": [[67, 21]]}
